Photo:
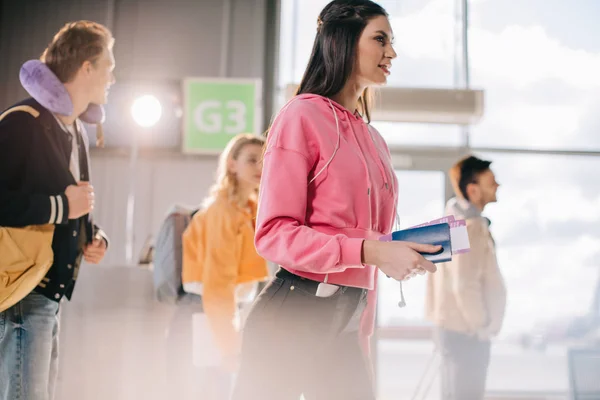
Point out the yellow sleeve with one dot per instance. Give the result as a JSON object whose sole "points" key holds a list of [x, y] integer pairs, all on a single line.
{"points": [[221, 265], [466, 272]]}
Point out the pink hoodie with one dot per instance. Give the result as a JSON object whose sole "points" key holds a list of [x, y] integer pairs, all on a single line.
{"points": [[317, 229]]}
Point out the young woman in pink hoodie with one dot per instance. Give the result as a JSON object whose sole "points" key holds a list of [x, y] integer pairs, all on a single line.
{"points": [[328, 192]]}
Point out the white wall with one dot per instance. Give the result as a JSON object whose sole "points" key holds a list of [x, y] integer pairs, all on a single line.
{"points": [[162, 179]]}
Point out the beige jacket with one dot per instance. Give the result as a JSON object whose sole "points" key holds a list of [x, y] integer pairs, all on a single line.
{"points": [[468, 294], [25, 258]]}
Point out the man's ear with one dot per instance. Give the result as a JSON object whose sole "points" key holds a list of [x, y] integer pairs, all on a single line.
{"points": [[473, 190], [86, 67]]}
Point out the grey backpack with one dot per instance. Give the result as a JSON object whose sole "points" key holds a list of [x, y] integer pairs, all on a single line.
{"points": [[168, 254]]}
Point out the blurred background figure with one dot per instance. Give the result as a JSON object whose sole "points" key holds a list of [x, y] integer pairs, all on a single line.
{"points": [[467, 297], [220, 262]]}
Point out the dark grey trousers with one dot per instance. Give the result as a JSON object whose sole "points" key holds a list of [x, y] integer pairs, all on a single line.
{"points": [[465, 361], [297, 343]]}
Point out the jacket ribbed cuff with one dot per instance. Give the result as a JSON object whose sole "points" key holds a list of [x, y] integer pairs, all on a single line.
{"points": [[59, 209]]}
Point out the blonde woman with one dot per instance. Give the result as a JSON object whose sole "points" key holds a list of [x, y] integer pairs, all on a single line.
{"points": [[220, 262]]}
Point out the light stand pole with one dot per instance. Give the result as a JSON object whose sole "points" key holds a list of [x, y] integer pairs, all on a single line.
{"points": [[146, 111]]}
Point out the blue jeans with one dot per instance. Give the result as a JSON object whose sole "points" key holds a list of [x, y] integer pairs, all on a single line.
{"points": [[29, 349]]}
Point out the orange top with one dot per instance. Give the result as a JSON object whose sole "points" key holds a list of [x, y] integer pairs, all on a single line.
{"points": [[219, 254]]}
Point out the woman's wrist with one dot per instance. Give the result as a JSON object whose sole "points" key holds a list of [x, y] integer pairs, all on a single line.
{"points": [[369, 252]]}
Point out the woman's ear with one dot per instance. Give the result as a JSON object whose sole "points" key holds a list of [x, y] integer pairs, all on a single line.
{"points": [[231, 166]]}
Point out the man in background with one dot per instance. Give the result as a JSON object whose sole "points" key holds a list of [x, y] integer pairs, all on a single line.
{"points": [[466, 298], [45, 181]]}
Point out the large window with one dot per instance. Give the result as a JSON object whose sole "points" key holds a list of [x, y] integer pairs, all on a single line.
{"points": [[539, 68], [547, 229], [399, 135], [539, 64]]}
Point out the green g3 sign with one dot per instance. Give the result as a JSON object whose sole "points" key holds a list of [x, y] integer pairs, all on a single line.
{"points": [[215, 110]]}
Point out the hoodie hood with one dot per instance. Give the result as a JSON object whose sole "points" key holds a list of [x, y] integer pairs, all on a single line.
{"points": [[353, 129], [342, 112]]}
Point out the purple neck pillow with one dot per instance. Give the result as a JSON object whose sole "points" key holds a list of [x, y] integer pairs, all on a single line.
{"points": [[41, 84]]}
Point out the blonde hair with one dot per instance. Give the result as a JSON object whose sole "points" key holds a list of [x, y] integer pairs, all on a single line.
{"points": [[226, 183], [74, 44]]}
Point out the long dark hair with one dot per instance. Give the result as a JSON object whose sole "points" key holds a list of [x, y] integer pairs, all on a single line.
{"points": [[333, 57]]}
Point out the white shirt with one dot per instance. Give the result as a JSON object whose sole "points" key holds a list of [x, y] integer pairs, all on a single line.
{"points": [[56, 202], [74, 163]]}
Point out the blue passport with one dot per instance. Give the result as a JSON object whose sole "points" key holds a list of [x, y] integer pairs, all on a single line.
{"points": [[438, 234]]}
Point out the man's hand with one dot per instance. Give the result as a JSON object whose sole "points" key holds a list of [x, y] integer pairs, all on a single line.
{"points": [[94, 252], [80, 198]]}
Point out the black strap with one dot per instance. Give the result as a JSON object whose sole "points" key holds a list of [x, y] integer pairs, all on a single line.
{"points": [[84, 175], [84, 172]]}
